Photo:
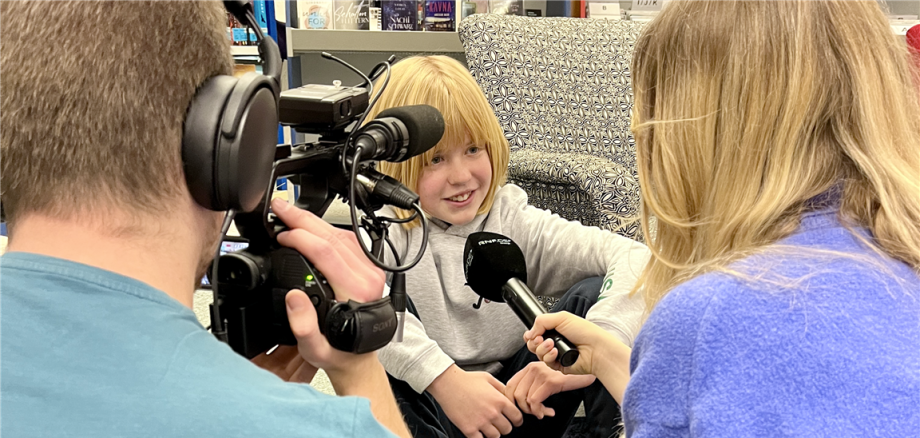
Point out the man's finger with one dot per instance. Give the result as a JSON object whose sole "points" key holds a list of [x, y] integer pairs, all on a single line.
{"points": [[302, 318], [343, 271], [296, 218], [341, 243]]}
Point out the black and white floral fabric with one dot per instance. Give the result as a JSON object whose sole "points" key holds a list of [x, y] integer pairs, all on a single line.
{"points": [[562, 92]]}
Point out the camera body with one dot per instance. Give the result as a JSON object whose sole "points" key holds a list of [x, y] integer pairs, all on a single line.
{"points": [[252, 283]]}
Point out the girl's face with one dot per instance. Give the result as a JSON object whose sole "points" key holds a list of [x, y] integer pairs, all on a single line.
{"points": [[454, 183]]}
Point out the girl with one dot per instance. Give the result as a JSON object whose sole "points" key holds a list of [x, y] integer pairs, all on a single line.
{"points": [[780, 159], [460, 355]]}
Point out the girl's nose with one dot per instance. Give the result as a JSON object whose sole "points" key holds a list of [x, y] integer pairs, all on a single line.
{"points": [[459, 173]]}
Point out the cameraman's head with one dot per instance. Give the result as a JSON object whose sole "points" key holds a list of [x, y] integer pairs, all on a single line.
{"points": [[94, 95]]}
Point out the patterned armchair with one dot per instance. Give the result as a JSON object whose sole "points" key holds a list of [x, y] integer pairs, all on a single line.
{"points": [[562, 91]]}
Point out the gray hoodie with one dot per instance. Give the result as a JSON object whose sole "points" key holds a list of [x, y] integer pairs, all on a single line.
{"points": [[559, 253]]}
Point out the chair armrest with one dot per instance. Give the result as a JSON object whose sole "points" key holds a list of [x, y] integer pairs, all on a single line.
{"points": [[610, 187]]}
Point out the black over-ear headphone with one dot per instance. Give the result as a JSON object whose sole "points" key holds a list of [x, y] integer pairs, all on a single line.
{"points": [[231, 129]]}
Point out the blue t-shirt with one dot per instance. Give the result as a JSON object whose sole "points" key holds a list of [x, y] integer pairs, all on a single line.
{"points": [[87, 352], [835, 354]]}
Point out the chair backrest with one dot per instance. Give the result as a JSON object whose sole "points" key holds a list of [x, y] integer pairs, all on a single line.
{"points": [[557, 84]]}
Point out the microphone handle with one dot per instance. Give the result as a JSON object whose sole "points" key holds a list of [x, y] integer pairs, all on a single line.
{"points": [[523, 302]]}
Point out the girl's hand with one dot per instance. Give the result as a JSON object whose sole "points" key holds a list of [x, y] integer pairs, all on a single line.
{"points": [[531, 386], [475, 402]]}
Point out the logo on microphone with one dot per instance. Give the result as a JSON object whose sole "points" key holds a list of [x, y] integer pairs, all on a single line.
{"points": [[495, 241]]}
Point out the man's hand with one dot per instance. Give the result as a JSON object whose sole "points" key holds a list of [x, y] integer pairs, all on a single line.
{"points": [[531, 386], [337, 255], [286, 363], [475, 403]]}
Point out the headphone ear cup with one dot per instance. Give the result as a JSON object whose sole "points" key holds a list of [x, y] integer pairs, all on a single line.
{"points": [[245, 155], [229, 142], [200, 138]]}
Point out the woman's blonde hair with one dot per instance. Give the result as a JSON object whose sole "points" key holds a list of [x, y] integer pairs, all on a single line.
{"points": [[447, 85], [746, 110]]}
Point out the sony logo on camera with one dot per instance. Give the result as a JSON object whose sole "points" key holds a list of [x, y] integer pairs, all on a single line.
{"points": [[381, 326]]}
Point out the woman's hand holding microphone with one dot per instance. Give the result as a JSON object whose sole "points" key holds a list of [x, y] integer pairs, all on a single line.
{"points": [[600, 353]]}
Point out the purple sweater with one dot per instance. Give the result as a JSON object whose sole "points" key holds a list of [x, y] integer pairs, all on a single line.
{"points": [[837, 354]]}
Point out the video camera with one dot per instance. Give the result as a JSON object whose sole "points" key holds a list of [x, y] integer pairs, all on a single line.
{"points": [[249, 311]]}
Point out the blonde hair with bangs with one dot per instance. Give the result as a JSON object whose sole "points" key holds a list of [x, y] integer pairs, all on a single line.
{"points": [[447, 85], [738, 127]]}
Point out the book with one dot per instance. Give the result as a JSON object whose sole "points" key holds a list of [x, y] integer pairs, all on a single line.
{"points": [[399, 14], [440, 15], [374, 18], [260, 12], [647, 5], [352, 14], [507, 7], [605, 10], [239, 34], [314, 14], [482, 6]]}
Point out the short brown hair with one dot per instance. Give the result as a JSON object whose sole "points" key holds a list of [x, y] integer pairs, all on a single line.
{"points": [[94, 95]]}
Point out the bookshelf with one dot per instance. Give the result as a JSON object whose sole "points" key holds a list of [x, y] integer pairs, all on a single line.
{"points": [[244, 51], [306, 41]]}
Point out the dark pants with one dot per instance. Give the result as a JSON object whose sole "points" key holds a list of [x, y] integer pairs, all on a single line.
{"points": [[426, 418]]}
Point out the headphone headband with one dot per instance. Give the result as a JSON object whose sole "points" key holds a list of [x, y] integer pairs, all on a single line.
{"points": [[269, 53]]}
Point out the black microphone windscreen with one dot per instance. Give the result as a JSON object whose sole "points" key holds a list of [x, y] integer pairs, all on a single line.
{"points": [[424, 123], [489, 261]]}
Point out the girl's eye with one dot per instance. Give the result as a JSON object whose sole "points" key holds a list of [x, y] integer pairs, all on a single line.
{"points": [[473, 150], [436, 160]]}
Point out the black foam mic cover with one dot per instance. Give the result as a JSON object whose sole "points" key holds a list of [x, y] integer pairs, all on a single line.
{"points": [[489, 261], [495, 269], [424, 123]]}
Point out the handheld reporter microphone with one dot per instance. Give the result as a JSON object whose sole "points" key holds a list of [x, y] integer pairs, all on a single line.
{"points": [[496, 270], [400, 133]]}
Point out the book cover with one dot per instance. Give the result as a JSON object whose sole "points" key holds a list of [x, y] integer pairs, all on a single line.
{"points": [[399, 14], [260, 11], [374, 15], [314, 14], [352, 14], [239, 34], [440, 15], [507, 7], [482, 6]]}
